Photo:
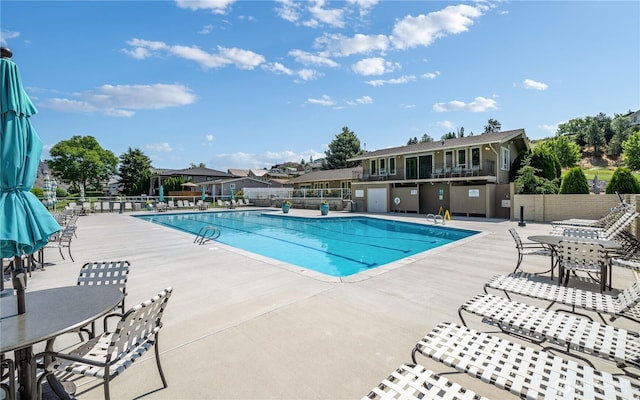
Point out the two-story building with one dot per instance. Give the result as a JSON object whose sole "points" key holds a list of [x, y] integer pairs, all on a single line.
{"points": [[465, 176]]}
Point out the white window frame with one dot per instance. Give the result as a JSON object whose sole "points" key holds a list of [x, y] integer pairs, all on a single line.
{"points": [[382, 170], [373, 167], [392, 171], [505, 158]]}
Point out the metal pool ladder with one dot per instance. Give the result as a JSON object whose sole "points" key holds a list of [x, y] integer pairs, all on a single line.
{"points": [[207, 233]]}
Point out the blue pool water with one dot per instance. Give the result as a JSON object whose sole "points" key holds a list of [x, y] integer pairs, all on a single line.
{"points": [[340, 246]]}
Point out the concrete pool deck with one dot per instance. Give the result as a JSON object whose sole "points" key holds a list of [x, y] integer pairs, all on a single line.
{"points": [[241, 326]]}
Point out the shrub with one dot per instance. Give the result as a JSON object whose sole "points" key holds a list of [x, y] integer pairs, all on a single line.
{"points": [[574, 182], [544, 161], [623, 181]]}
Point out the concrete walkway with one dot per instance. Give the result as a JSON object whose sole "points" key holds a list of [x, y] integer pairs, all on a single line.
{"points": [[240, 326]]}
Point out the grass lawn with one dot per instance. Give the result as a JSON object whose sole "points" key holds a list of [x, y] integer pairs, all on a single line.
{"points": [[604, 174]]}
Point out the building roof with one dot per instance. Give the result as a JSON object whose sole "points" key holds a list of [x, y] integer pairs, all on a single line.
{"points": [[343, 174], [258, 172], [497, 137], [238, 172], [196, 171]]}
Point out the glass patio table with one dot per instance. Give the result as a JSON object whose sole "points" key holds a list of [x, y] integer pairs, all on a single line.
{"points": [[50, 313]]}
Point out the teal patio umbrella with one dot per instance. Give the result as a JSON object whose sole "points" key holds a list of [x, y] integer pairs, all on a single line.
{"points": [[26, 223], [161, 195], [202, 194]]}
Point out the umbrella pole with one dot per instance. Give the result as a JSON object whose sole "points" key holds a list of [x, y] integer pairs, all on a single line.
{"points": [[19, 280]]}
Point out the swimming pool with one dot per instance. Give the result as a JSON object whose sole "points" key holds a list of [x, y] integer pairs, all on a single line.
{"points": [[336, 246]]}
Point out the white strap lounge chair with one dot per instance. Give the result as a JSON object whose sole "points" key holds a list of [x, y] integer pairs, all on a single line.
{"points": [[521, 370], [565, 332], [417, 382], [111, 353], [625, 304]]}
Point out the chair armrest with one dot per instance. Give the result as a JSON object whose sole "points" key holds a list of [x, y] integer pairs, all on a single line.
{"points": [[105, 321], [69, 357]]}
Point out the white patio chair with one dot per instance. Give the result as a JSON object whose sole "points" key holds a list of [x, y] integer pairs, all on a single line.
{"points": [[521, 370], [416, 382], [111, 353], [625, 304], [577, 256], [565, 332]]}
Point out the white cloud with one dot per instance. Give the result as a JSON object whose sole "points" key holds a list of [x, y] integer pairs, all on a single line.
{"points": [[279, 69], [552, 129], [374, 66], [209, 138], [121, 100], [531, 84], [261, 160], [243, 59], [365, 100], [288, 10], [342, 46], [479, 104], [307, 58], [324, 101], [424, 29], [430, 75], [365, 5], [215, 6], [6, 35], [159, 147], [446, 124], [207, 29], [395, 81], [321, 15]]}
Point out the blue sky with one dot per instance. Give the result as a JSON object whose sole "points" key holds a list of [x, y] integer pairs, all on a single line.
{"points": [[250, 84]]}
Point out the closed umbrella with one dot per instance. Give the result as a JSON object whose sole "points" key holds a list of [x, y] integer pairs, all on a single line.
{"points": [[161, 195], [46, 192], [26, 223], [203, 194], [82, 199], [54, 198]]}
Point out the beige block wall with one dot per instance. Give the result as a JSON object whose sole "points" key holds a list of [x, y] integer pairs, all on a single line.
{"points": [[552, 207]]}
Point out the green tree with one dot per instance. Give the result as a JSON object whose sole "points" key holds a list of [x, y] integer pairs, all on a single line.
{"points": [[595, 136], [567, 151], [575, 182], [81, 161], [426, 138], [542, 159], [529, 182], [631, 151], [492, 126], [134, 166], [448, 135], [344, 146], [575, 129], [623, 181]]}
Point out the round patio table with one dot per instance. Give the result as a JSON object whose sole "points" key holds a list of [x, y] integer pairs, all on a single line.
{"points": [[553, 241], [49, 313]]}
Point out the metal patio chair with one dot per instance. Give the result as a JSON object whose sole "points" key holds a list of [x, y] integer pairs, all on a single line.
{"points": [[98, 273], [528, 248], [110, 354]]}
